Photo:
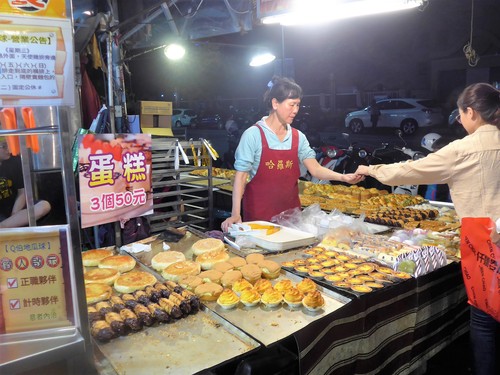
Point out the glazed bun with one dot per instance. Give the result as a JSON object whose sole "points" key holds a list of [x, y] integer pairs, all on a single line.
{"points": [[100, 275], [270, 269], [91, 258], [237, 262], [135, 280], [223, 266], [230, 277], [208, 291], [164, 259], [122, 263], [207, 245], [251, 272], [97, 292], [178, 269], [209, 259], [254, 258], [211, 276]]}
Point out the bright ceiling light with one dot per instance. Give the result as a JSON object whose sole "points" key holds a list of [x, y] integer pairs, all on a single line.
{"points": [[316, 11], [262, 59], [175, 51]]}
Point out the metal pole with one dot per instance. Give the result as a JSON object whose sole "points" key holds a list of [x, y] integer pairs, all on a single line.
{"points": [[111, 105]]}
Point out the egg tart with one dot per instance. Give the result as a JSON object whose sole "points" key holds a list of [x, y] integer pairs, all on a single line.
{"points": [[361, 288], [372, 284], [335, 278]]}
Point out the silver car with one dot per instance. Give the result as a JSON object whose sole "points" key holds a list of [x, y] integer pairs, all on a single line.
{"points": [[182, 117], [405, 114]]}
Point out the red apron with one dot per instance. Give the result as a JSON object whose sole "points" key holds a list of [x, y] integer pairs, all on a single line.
{"points": [[274, 188]]}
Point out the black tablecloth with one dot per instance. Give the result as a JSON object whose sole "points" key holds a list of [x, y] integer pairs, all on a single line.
{"points": [[391, 331]]}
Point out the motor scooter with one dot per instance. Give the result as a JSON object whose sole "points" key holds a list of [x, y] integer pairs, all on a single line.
{"points": [[328, 156]]}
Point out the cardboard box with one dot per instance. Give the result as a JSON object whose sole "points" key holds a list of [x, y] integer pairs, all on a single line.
{"points": [[156, 121], [156, 108], [158, 131]]}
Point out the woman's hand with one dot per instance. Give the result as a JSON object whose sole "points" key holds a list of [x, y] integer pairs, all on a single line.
{"points": [[362, 170], [226, 224], [495, 237], [352, 178]]}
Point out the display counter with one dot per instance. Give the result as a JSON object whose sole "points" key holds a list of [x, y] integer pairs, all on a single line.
{"points": [[392, 330]]}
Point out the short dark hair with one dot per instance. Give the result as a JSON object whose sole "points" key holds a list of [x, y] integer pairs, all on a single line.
{"points": [[281, 88], [483, 98]]}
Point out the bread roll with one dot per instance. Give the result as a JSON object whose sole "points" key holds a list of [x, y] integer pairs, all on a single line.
{"points": [[251, 272], [190, 282], [230, 277], [178, 269], [211, 276], [100, 275], [133, 281], [164, 259], [207, 245], [237, 262], [91, 258], [223, 266], [208, 291], [209, 259], [122, 263], [254, 258], [270, 269]]}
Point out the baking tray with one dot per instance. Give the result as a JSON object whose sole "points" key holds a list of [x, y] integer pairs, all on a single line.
{"points": [[269, 325], [285, 239], [189, 345]]}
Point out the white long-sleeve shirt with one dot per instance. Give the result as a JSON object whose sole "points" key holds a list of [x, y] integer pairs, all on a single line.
{"points": [[470, 166]]}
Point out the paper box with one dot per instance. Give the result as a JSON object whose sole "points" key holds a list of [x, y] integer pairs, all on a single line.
{"points": [[156, 121], [156, 108]]}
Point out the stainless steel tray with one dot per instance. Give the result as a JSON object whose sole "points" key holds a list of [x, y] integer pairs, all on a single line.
{"points": [[269, 325], [188, 345]]}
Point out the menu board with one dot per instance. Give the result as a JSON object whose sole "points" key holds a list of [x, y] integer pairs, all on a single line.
{"points": [[35, 291]]}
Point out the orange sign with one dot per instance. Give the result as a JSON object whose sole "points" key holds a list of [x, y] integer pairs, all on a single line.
{"points": [[38, 8], [32, 279]]}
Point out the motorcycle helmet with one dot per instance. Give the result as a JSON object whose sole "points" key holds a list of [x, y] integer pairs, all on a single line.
{"points": [[428, 141]]}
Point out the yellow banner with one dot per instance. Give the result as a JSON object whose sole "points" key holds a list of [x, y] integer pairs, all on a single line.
{"points": [[38, 8]]}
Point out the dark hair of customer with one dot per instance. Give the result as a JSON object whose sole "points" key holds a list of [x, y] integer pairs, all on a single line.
{"points": [[484, 99], [281, 88]]}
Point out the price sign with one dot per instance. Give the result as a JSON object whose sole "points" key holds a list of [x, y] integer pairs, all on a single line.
{"points": [[34, 279]]}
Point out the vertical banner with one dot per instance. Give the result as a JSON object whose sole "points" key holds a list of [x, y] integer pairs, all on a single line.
{"points": [[115, 177], [34, 279], [36, 62]]}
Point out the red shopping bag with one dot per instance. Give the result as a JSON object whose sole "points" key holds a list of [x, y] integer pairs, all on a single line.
{"points": [[481, 265]]}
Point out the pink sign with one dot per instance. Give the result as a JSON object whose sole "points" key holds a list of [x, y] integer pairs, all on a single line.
{"points": [[115, 177]]}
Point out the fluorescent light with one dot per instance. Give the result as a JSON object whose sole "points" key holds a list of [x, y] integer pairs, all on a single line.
{"points": [[262, 59], [317, 11], [175, 51]]}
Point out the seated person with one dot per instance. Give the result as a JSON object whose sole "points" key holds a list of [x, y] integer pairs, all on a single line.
{"points": [[13, 211]]}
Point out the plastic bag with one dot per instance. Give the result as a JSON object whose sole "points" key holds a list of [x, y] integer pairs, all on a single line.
{"points": [[481, 265]]}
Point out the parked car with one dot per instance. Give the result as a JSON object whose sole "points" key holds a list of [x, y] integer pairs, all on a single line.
{"points": [[182, 117], [406, 114], [209, 119]]}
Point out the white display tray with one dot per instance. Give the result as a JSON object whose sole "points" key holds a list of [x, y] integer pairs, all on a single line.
{"points": [[286, 238]]}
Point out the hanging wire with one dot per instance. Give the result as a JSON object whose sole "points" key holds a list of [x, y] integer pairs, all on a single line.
{"points": [[470, 53]]}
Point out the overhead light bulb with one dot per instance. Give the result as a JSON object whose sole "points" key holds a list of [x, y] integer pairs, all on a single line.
{"points": [[262, 59], [174, 51]]}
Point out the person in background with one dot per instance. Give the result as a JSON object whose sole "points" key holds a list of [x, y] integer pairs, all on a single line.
{"points": [[270, 154], [470, 166], [374, 113], [13, 212]]}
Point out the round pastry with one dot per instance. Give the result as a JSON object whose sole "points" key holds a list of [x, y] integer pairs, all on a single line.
{"points": [[331, 253], [270, 269], [310, 252], [164, 259], [342, 284], [340, 269], [314, 267], [132, 281], [211, 276], [316, 274], [228, 299], [189, 282], [288, 264], [207, 245], [306, 285], [97, 292], [100, 275], [251, 272], [343, 275], [302, 270], [354, 281], [262, 285], [328, 271], [310, 261], [350, 265], [366, 267], [321, 257], [361, 288], [209, 259], [344, 257], [366, 278], [299, 262], [313, 301], [208, 291], [254, 258], [293, 297], [402, 275], [237, 262], [385, 270], [372, 284], [335, 278], [240, 285], [354, 273], [223, 266], [250, 297], [283, 285], [230, 277], [91, 258], [178, 269], [122, 263], [271, 297], [328, 263]]}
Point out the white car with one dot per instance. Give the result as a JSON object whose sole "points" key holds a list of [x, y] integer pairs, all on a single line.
{"points": [[405, 114], [182, 117]]}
